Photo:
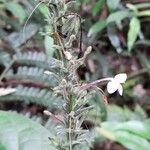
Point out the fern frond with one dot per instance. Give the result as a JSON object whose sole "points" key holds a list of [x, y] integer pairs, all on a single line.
{"points": [[4, 58], [37, 59], [34, 74], [34, 95]]}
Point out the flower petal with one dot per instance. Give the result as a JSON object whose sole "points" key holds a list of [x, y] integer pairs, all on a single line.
{"points": [[121, 77], [120, 89], [112, 86]]}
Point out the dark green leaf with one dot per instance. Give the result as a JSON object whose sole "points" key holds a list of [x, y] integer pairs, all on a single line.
{"points": [[43, 9], [114, 39], [97, 27], [98, 6], [16, 39], [17, 10], [2, 147], [38, 96]]}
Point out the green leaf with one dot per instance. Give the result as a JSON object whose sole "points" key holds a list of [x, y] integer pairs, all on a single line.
{"points": [[113, 4], [17, 10], [131, 141], [2, 147], [132, 8], [48, 43], [98, 6], [43, 9], [97, 27], [4, 58], [38, 59], [134, 127], [144, 13], [129, 133], [114, 39], [43, 97], [134, 29], [20, 133], [118, 16], [16, 39], [142, 5]]}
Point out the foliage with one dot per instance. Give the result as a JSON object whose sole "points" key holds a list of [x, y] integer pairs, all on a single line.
{"points": [[128, 132], [119, 14], [23, 78], [20, 133], [27, 68], [34, 75]]}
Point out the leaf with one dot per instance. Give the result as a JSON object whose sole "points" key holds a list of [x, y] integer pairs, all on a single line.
{"points": [[129, 133], [114, 39], [33, 75], [20, 133], [118, 16], [98, 6], [43, 9], [43, 97], [37, 59], [132, 8], [17, 10], [142, 5], [14, 25], [113, 4], [144, 13], [134, 127], [131, 141], [97, 27], [117, 114], [2, 147], [4, 58], [134, 29], [48, 43], [16, 39]]}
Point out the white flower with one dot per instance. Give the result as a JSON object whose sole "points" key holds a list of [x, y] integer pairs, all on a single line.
{"points": [[115, 83]]}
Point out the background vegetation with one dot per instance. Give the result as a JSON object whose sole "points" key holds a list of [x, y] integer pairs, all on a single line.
{"points": [[118, 32]]}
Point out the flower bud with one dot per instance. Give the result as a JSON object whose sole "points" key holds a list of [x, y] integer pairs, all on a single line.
{"points": [[68, 55]]}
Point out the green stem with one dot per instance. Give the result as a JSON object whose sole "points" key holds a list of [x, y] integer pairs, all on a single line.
{"points": [[70, 133]]}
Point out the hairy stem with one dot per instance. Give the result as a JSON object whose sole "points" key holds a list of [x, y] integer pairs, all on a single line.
{"points": [[69, 109], [70, 133], [94, 83]]}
